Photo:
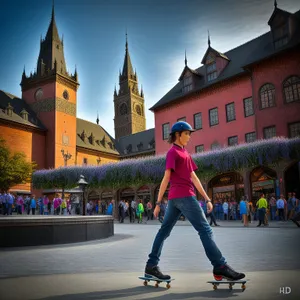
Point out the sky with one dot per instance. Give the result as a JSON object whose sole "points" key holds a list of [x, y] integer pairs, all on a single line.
{"points": [[159, 32]]}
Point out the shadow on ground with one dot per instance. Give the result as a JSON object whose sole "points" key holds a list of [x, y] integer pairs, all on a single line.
{"points": [[139, 291]]}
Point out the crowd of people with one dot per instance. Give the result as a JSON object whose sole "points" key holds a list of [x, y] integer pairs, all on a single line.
{"points": [[264, 209]]}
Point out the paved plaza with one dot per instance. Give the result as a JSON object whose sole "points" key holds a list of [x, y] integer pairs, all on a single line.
{"points": [[108, 269]]}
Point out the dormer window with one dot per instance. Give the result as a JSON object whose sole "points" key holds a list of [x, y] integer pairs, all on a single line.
{"points": [[187, 84], [9, 110], [24, 115], [211, 67], [281, 35]]}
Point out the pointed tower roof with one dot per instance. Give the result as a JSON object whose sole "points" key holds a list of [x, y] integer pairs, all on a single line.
{"points": [[52, 33], [127, 67]]}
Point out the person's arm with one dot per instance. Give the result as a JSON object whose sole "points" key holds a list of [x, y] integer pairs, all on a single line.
{"points": [[164, 185], [199, 186]]}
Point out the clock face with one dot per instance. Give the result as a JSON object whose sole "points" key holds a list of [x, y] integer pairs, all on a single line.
{"points": [[138, 110], [66, 94], [39, 94]]}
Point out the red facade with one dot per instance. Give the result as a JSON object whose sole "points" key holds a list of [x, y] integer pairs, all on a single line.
{"points": [[256, 92]]}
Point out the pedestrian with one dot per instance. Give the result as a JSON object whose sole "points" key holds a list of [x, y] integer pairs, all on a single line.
{"points": [[243, 212], [140, 211], [262, 206], [280, 208], [33, 204], [179, 171]]}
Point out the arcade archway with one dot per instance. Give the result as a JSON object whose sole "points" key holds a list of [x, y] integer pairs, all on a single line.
{"points": [[262, 180], [226, 186], [292, 179]]}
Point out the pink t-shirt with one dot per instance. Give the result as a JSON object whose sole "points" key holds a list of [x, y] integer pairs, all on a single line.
{"points": [[182, 165]]}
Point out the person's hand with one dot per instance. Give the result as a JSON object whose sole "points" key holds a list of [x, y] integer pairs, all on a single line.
{"points": [[209, 207], [156, 211]]}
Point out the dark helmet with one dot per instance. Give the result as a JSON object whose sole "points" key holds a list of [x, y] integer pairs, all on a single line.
{"points": [[181, 126]]}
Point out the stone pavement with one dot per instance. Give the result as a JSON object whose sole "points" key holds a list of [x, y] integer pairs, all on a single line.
{"points": [[108, 269]]}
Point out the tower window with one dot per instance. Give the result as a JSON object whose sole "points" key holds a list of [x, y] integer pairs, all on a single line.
{"points": [[66, 94], [187, 84], [123, 109], [138, 110]]}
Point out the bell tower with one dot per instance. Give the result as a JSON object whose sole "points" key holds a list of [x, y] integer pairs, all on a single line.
{"points": [[51, 91], [129, 103]]}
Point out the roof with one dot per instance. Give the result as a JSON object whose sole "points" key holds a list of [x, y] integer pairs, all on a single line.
{"points": [[253, 51], [103, 141], [18, 106], [138, 142], [217, 53]]}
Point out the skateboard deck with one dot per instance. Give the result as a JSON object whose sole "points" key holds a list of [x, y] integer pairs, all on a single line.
{"points": [[215, 283], [158, 281]]}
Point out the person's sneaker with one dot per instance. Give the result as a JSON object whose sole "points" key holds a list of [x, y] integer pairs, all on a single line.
{"points": [[226, 272], [154, 272]]}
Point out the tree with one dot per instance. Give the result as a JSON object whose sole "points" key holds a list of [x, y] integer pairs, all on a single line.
{"points": [[14, 168]]}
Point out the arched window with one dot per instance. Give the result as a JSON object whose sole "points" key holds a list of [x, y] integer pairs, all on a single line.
{"points": [[267, 96], [123, 109], [291, 89]]}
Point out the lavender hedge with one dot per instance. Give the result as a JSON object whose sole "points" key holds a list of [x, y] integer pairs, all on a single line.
{"points": [[136, 172]]}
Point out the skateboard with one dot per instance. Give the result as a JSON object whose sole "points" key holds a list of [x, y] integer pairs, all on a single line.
{"points": [[158, 281], [215, 283]]}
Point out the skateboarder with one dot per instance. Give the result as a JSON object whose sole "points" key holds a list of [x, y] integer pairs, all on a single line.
{"points": [[180, 173]]}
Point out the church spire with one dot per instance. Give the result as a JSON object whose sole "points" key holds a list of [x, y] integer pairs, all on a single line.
{"points": [[275, 3], [208, 39], [127, 67], [185, 59], [97, 120], [52, 33]]}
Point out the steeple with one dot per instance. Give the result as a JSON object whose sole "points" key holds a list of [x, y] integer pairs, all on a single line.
{"points": [[51, 49], [52, 33], [275, 3], [185, 59], [142, 92], [115, 91], [97, 120], [127, 67], [208, 40]]}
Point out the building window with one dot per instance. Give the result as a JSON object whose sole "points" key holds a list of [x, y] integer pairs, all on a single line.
{"points": [[267, 96], [215, 146], [182, 119], [198, 121], [291, 89], [230, 112], [233, 140], [85, 161], [294, 130], [281, 35], [199, 148], [187, 84], [211, 68], [166, 131], [269, 132], [248, 107], [212, 76], [213, 117], [250, 137]]}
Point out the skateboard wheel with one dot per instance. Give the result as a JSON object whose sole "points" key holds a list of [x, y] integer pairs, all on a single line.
{"points": [[230, 286], [243, 287], [168, 285], [145, 283], [215, 287], [156, 285]]}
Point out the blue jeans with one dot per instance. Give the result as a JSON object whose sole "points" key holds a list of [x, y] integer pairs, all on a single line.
{"points": [[191, 209]]}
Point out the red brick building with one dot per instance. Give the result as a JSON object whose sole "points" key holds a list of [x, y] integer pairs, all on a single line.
{"points": [[248, 93]]}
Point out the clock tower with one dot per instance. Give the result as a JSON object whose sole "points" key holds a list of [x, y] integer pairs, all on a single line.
{"points": [[128, 101], [51, 91]]}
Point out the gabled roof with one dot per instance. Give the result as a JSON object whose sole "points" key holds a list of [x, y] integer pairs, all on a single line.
{"points": [[18, 105], [186, 68], [145, 138], [217, 53], [240, 57], [102, 137], [278, 11]]}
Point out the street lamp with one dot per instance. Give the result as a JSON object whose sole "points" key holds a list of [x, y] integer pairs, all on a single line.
{"points": [[82, 184], [66, 156]]}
